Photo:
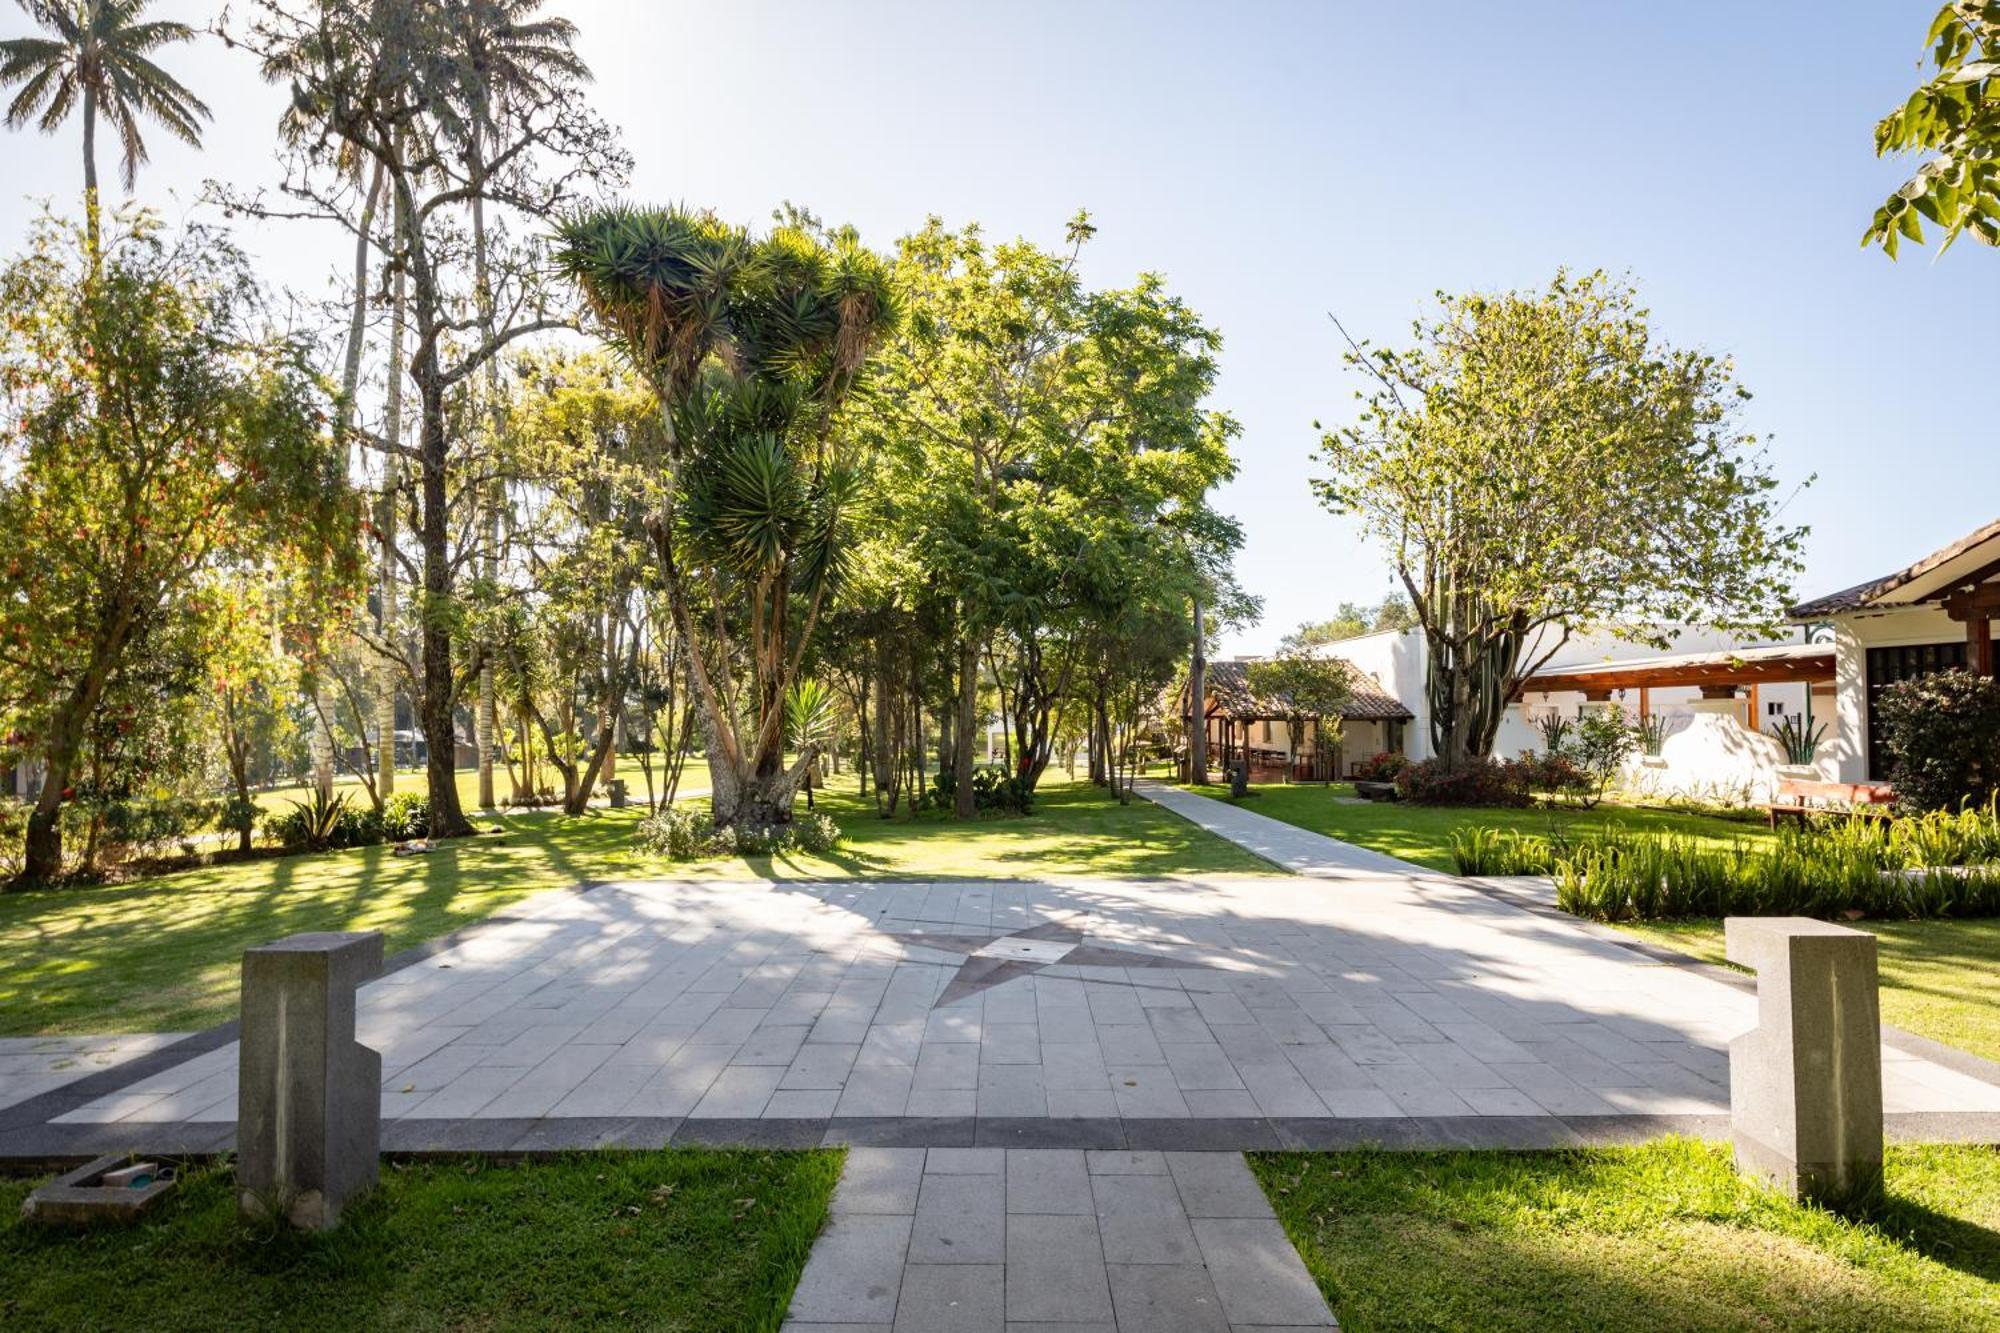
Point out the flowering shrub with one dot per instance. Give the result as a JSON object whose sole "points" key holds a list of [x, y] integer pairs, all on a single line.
{"points": [[1479, 780], [1386, 766]]}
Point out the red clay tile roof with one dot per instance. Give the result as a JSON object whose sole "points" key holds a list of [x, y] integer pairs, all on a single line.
{"points": [[1229, 686]]}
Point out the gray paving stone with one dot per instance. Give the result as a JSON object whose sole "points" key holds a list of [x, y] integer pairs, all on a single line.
{"points": [[1141, 1221], [738, 1091], [854, 1272], [1163, 1299], [1012, 1091], [820, 1065], [952, 1298], [947, 1065], [1111, 1162], [880, 1180], [966, 1161], [1258, 1275], [1051, 1180], [960, 1219], [1216, 1184], [1055, 1270]]}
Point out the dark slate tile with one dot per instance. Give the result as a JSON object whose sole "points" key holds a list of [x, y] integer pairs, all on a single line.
{"points": [[1042, 1132], [1201, 1134], [751, 1133], [900, 1131]]}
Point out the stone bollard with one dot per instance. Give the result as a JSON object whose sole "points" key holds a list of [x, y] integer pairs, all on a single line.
{"points": [[1805, 1086], [309, 1096]]}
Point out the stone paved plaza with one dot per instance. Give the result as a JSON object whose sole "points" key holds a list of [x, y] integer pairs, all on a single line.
{"points": [[619, 1013], [966, 1240]]}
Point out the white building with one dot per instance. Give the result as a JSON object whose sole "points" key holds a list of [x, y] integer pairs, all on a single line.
{"points": [[1719, 705], [1930, 616]]}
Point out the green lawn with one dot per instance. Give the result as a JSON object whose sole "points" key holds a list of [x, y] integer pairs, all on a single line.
{"points": [[1665, 1236], [161, 955], [1938, 977], [674, 1240], [1423, 833]]}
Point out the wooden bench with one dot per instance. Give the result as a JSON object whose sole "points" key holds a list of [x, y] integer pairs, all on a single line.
{"points": [[1798, 797]]}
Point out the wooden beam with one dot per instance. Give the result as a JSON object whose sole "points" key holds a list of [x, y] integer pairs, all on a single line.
{"points": [[1818, 667]]}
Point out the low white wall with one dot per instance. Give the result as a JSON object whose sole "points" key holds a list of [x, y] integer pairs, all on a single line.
{"points": [[1710, 755]]}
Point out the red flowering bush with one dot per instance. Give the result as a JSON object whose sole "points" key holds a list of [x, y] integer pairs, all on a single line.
{"points": [[1386, 766], [1475, 781]]}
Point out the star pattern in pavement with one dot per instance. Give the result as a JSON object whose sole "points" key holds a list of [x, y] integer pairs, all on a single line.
{"points": [[993, 959]]}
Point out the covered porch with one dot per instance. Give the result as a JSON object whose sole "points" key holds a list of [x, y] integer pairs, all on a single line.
{"points": [[1240, 724]]}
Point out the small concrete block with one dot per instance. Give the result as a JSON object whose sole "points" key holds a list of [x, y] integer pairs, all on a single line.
{"points": [[952, 1298], [1048, 1180], [95, 1193], [1805, 1085], [1217, 1184], [309, 1109], [1055, 1270]]}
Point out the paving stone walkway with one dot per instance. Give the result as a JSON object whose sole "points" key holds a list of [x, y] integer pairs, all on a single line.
{"points": [[986, 1240], [1348, 1003], [31, 1066]]}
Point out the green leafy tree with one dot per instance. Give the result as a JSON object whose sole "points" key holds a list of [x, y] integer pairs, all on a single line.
{"points": [[98, 57], [1306, 689], [751, 346], [1047, 441], [160, 432], [1955, 116], [1351, 621], [1538, 462], [580, 431], [389, 84]]}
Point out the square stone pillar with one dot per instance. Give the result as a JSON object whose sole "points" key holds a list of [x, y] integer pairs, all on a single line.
{"points": [[309, 1096], [1805, 1086]]}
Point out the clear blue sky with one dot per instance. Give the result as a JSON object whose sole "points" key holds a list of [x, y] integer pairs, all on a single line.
{"points": [[1278, 161]]}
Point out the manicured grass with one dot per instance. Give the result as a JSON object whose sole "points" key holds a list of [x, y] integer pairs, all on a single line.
{"points": [[1940, 979], [162, 955], [1665, 1236], [676, 1240], [1423, 833]]}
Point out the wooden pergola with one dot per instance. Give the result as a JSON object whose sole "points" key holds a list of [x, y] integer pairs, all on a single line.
{"points": [[1232, 710], [1719, 675]]}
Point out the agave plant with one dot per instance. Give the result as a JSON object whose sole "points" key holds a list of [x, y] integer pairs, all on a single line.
{"points": [[751, 347], [1799, 738]]}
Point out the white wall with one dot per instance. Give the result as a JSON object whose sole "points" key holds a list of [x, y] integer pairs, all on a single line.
{"points": [[1853, 636]]}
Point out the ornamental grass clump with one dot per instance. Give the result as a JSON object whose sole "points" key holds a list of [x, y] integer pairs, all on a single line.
{"points": [[692, 835], [1851, 867]]}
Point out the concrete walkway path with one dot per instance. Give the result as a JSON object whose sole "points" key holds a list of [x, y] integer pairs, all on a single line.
{"points": [[1298, 850], [990, 1240]]}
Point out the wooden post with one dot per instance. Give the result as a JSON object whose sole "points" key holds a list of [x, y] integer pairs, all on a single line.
{"points": [[1756, 712], [1979, 644], [1645, 703]]}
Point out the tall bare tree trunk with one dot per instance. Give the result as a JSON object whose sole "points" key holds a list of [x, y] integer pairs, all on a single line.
{"points": [[486, 722], [92, 230], [1198, 704], [962, 804]]}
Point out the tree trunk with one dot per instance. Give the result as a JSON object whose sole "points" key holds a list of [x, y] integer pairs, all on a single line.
{"points": [[962, 804], [440, 730], [1198, 704], [93, 233]]}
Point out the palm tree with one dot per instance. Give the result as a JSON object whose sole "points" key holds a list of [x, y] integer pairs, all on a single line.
{"points": [[99, 55]]}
